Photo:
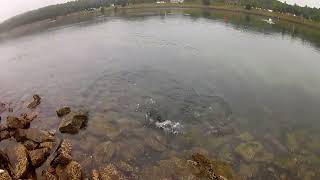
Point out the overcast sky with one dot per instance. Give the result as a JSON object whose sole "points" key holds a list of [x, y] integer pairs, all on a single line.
{"points": [[9, 8]]}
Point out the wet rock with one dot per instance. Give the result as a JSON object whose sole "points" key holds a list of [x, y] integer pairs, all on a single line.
{"points": [[2, 108], [63, 111], [49, 176], [110, 172], [125, 167], [130, 149], [71, 171], [48, 145], [4, 175], [33, 134], [63, 156], [36, 101], [14, 122], [104, 152], [38, 156], [95, 175], [4, 135], [248, 150], [73, 122], [17, 158], [30, 145]]}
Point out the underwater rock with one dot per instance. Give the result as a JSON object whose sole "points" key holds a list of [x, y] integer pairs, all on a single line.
{"points": [[4, 175], [88, 142], [73, 122], [216, 170], [104, 152], [156, 143], [38, 156], [63, 111], [110, 172], [246, 136], [72, 170], [14, 122], [17, 158], [130, 149], [248, 150], [125, 167], [33, 134], [36, 101]]}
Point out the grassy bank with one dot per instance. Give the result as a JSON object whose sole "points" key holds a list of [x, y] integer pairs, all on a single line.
{"points": [[233, 8]]}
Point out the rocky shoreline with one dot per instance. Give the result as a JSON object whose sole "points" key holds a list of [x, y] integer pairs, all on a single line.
{"points": [[31, 153]]}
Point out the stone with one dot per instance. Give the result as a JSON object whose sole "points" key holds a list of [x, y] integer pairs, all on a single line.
{"points": [[156, 143], [36, 101], [95, 175], [30, 145], [72, 171], [17, 158], [125, 167], [104, 152], [38, 156], [63, 156], [73, 122], [248, 150], [63, 111], [34, 134], [4, 135], [48, 145], [14, 122], [109, 172], [4, 175]]}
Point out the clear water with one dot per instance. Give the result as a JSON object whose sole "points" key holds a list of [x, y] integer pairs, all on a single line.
{"points": [[224, 81]]}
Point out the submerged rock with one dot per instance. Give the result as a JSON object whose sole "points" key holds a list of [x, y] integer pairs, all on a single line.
{"points": [[72, 171], [104, 152], [63, 111], [248, 150], [73, 122], [110, 172], [17, 158], [156, 143], [36, 101]]}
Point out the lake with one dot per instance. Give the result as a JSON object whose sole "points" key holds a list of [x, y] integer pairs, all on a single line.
{"points": [[161, 84]]}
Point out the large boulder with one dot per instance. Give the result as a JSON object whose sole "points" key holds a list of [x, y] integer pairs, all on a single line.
{"points": [[17, 158], [34, 134], [73, 122], [38, 156]]}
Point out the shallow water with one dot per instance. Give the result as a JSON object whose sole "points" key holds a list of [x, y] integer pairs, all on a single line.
{"points": [[226, 83]]}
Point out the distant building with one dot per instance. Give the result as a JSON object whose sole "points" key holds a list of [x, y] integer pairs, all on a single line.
{"points": [[176, 1], [161, 2]]}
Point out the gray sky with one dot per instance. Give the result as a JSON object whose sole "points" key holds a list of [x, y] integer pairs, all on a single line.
{"points": [[9, 8]]}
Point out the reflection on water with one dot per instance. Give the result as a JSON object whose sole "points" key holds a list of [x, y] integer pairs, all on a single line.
{"points": [[160, 85]]}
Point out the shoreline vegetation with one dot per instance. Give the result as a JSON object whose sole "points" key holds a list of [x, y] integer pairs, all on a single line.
{"points": [[21, 22]]}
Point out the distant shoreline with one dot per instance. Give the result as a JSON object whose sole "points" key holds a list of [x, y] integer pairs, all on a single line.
{"points": [[84, 15]]}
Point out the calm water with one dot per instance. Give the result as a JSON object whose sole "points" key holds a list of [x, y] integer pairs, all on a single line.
{"points": [[229, 85]]}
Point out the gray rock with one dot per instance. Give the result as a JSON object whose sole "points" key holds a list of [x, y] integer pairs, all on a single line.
{"points": [[36, 101], [73, 122]]}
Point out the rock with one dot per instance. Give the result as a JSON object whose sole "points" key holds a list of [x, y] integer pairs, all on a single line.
{"points": [[63, 111], [36, 101], [73, 122], [95, 175], [14, 122], [38, 156], [156, 143], [216, 170], [104, 152], [125, 167], [4, 175], [4, 135], [246, 136], [2, 108], [34, 134], [48, 145], [110, 172], [63, 156], [17, 158], [3, 160], [248, 150], [72, 171], [30, 145], [130, 149]]}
